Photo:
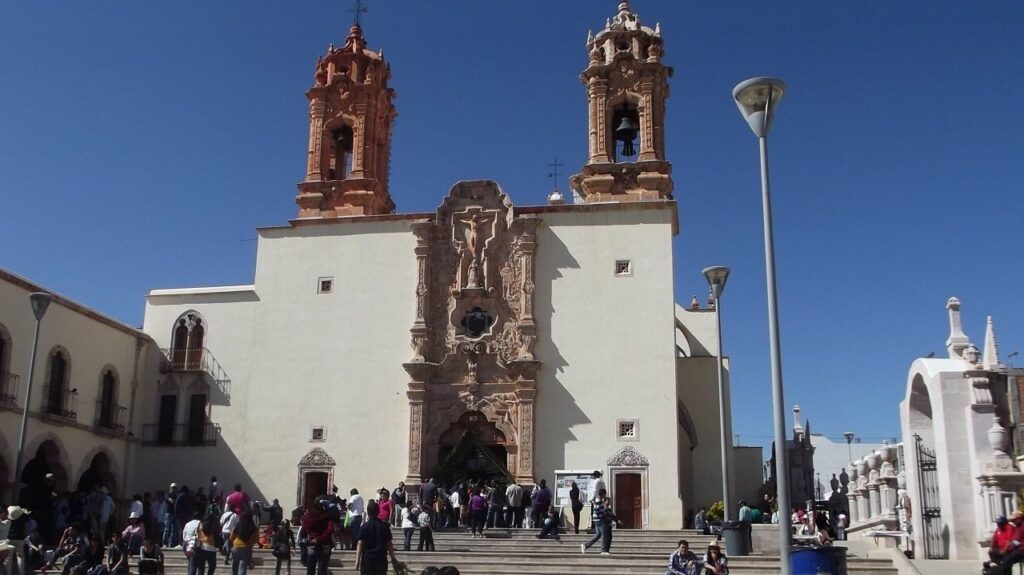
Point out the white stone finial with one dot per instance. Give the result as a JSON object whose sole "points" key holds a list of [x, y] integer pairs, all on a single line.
{"points": [[957, 341], [990, 357], [796, 419], [657, 28], [590, 37]]}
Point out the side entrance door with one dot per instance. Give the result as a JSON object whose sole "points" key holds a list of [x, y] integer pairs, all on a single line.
{"points": [[629, 500], [315, 485]]}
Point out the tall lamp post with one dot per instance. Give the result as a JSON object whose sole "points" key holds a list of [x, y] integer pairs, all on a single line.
{"points": [[40, 302], [849, 444], [716, 277], [756, 99]]}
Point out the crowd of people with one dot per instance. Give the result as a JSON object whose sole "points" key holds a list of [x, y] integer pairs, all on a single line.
{"points": [[80, 533]]}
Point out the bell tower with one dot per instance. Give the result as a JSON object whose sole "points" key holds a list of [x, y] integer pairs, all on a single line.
{"points": [[627, 85], [350, 120]]}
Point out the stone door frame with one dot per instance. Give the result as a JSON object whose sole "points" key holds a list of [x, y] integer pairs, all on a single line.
{"points": [[315, 461], [629, 461]]}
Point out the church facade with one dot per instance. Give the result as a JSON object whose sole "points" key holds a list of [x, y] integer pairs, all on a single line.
{"points": [[484, 339]]}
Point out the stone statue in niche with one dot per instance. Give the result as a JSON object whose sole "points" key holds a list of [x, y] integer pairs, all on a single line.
{"points": [[474, 232]]}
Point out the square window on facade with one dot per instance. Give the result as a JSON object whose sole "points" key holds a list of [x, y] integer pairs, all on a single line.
{"points": [[318, 433], [325, 285], [623, 268], [628, 429]]}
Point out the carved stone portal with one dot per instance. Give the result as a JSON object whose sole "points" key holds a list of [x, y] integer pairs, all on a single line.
{"points": [[474, 332]]}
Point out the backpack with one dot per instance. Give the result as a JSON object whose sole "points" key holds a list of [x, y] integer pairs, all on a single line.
{"points": [[414, 515]]}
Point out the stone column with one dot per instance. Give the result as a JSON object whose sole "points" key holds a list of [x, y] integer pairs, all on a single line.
{"points": [[419, 330], [598, 94], [874, 499], [524, 467], [647, 120], [317, 110], [851, 499], [416, 393], [359, 145], [863, 511]]}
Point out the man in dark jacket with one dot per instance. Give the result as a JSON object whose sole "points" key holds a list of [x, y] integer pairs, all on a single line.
{"points": [[318, 528], [541, 500]]}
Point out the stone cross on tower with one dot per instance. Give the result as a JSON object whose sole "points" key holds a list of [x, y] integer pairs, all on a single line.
{"points": [[957, 341]]}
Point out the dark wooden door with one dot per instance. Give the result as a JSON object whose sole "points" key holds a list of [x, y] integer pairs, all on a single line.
{"points": [[315, 486], [196, 418], [629, 500], [165, 424]]}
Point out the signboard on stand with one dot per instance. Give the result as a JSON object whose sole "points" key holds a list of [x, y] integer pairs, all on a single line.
{"points": [[583, 480]]}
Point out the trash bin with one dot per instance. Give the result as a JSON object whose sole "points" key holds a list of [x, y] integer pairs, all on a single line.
{"points": [[734, 534], [818, 561]]}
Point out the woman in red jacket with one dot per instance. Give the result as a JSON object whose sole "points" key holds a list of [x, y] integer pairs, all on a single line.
{"points": [[319, 529]]}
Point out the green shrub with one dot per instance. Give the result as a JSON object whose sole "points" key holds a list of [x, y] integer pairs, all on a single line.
{"points": [[716, 511]]}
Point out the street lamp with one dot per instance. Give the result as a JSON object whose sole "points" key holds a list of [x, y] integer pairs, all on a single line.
{"points": [[756, 99], [849, 444], [40, 302], [717, 276]]}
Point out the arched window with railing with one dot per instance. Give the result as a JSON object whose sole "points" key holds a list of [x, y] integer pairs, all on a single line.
{"points": [[187, 343], [60, 400], [8, 380]]}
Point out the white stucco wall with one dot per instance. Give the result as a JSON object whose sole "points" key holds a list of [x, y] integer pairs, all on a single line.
{"points": [[297, 358]]}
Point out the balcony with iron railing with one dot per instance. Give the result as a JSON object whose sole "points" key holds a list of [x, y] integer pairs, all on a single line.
{"points": [[110, 417], [60, 404], [180, 435], [199, 360], [8, 389]]}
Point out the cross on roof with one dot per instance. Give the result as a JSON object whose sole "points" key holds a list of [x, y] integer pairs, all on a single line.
{"points": [[358, 10], [553, 174]]}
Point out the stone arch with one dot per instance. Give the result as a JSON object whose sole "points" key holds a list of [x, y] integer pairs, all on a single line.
{"points": [[99, 468], [188, 339], [921, 411], [686, 423], [501, 415], [48, 455]]}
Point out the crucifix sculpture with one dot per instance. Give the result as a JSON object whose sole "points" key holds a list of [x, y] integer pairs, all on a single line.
{"points": [[473, 236]]}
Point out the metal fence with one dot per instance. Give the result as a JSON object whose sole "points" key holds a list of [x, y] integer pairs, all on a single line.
{"points": [[60, 402], [180, 434], [8, 389]]}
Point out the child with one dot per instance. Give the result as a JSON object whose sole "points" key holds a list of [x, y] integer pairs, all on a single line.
{"points": [[151, 559], [426, 533]]}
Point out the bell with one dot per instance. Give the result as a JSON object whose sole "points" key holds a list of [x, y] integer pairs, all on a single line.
{"points": [[626, 133]]}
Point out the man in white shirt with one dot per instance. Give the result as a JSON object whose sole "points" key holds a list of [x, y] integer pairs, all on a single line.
{"points": [[228, 521], [356, 509], [189, 536], [596, 486]]}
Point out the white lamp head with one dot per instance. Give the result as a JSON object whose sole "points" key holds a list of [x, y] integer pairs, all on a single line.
{"points": [[716, 276], [40, 301], [756, 99]]}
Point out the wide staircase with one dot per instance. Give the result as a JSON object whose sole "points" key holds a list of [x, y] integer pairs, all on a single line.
{"points": [[519, 552]]}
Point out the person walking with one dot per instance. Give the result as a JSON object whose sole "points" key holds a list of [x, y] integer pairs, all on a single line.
{"points": [[243, 538], [228, 522], [596, 485], [375, 546], [204, 556], [576, 504], [318, 529], [356, 510], [284, 547], [410, 515], [602, 518]]}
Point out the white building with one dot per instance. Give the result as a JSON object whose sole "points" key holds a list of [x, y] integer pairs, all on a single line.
{"points": [[485, 339]]}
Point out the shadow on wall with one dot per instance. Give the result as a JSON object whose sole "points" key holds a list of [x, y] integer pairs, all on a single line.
{"points": [[193, 466], [557, 411]]}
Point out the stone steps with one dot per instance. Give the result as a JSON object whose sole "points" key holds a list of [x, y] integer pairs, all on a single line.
{"points": [[519, 552]]}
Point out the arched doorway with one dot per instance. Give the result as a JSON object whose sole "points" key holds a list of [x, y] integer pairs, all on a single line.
{"points": [[472, 448], [932, 530], [98, 475], [46, 460]]}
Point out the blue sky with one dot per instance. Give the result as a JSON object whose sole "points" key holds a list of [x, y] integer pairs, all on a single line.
{"points": [[141, 143]]}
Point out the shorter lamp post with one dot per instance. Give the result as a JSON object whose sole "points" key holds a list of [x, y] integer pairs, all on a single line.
{"points": [[40, 302], [849, 444], [716, 277]]}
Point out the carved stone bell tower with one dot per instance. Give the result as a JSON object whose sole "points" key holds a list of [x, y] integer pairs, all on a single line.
{"points": [[627, 85], [350, 120]]}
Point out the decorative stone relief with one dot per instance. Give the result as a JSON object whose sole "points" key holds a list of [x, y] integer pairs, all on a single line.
{"points": [[628, 457], [317, 457], [473, 335]]}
